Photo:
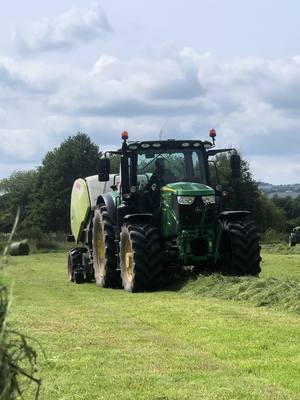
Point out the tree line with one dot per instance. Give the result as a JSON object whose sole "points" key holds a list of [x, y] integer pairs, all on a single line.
{"points": [[43, 194]]}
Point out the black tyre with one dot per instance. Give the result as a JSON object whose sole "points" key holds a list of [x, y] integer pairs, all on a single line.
{"points": [[292, 243], [154, 257], [140, 258], [104, 251], [74, 260], [78, 276], [239, 248]]}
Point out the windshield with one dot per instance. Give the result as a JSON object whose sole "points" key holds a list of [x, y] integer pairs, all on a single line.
{"points": [[177, 166]]}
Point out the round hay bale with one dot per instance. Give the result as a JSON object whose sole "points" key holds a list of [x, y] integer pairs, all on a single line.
{"points": [[19, 248]]}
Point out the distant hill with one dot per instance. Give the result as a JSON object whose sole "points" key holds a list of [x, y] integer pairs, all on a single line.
{"points": [[291, 190]]}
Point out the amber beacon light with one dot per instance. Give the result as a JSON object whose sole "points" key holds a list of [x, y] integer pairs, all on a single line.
{"points": [[124, 135], [213, 134]]}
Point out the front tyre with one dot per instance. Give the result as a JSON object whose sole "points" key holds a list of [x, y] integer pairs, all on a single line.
{"points": [[239, 248], [104, 251], [140, 258]]}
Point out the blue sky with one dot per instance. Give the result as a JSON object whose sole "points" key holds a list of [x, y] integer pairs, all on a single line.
{"points": [[186, 66]]}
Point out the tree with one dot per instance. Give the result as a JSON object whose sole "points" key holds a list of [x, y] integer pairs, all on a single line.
{"points": [[244, 194], [50, 203], [115, 160], [17, 191], [290, 208]]}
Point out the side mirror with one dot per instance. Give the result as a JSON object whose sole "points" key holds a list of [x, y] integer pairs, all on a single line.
{"points": [[104, 169], [235, 164]]}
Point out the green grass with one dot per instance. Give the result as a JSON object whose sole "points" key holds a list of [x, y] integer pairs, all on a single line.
{"points": [[108, 344], [278, 286]]}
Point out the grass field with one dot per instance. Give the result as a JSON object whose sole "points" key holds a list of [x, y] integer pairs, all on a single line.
{"points": [[184, 344]]}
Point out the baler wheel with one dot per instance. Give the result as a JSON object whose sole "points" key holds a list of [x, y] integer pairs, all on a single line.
{"points": [[291, 243], [70, 268], [78, 277], [140, 258], [240, 249], [75, 259], [104, 251]]}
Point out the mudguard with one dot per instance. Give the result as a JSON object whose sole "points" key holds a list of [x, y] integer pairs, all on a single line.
{"points": [[233, 215], [108, 200], [138, 218]]}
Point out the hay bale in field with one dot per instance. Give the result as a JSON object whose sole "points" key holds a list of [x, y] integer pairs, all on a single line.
{"points": [[19, 248]]}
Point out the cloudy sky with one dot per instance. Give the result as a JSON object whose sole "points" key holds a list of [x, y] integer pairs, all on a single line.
{"points": [[185, 66]]}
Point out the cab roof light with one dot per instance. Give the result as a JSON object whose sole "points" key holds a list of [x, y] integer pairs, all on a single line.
{"points": [[213, 134], [124, 135]]}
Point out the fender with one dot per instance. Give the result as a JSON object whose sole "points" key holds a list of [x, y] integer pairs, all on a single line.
{"points": [[233, 215], [107, 200], [138, 218]]}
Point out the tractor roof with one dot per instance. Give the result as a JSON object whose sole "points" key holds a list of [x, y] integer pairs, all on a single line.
{"points": [[169, 144]]}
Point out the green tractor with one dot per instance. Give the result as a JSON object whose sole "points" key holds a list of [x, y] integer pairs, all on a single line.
{"points": [[157, 215], [294, 237]]}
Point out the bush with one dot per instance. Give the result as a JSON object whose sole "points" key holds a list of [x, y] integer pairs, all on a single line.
{"points": [[273, 236]]}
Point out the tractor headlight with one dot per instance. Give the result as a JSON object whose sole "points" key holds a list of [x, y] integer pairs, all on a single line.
{"points": [[208, 200], [185, 200]]}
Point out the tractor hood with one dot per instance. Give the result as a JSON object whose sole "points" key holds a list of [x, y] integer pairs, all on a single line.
{"points": [[189, 189]]}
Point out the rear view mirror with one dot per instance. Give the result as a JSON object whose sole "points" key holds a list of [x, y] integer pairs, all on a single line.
{"points": [[104, 169], [235, 164]]}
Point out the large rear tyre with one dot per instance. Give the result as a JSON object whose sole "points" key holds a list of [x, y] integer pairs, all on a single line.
{"points": [[104, 251], [239, 248], [140, 258]]}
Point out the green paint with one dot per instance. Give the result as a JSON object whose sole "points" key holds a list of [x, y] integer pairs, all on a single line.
{"points": [[189, 189], [171, 227]]}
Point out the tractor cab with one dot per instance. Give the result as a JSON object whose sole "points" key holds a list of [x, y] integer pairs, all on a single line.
{"points": [[151, 170]]}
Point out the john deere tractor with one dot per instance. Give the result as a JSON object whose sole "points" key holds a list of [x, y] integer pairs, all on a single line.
{"points": [[158, 214]]}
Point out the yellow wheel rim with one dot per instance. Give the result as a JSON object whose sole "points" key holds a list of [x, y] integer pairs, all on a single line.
{"points": [[100, 249], [128, 259]]}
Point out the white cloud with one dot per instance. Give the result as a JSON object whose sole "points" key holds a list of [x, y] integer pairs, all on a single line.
{"points": [[2, 115], [276, 169], [29, 77], [231, 96], [103, 63], [252, 103], [22, 144], [64, 32]]}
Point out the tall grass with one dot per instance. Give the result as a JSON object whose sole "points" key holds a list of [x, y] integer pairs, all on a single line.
{"points": [[17, 356]]}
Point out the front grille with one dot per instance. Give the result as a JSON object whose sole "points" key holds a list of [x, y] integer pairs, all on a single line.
{"points": [[191, 215]]}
